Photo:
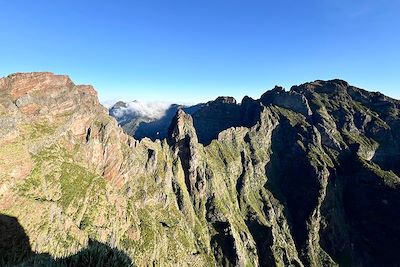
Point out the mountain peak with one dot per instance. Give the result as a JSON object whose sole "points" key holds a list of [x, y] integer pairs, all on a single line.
{"points": [[225, 100], [45, 93], [119, 104], [335, 86], [20, 84], [181, 126]]}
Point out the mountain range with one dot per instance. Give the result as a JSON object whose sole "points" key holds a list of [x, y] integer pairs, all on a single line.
{"points": [[304, 177]]}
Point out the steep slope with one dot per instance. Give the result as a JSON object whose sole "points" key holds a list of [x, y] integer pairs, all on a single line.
{"points": [[306, 177], [69, 173]]}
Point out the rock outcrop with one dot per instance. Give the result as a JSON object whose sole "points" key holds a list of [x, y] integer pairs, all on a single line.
{"points": [[306, 177], [289, 100]]}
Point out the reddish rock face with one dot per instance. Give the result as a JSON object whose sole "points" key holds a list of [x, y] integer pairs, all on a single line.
{"points": [[46, 94], [40, 82], [87, 89], [30, 109], [36, 106]]}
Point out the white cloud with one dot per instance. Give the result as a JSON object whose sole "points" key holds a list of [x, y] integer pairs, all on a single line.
{"points": [[108, 103], [152, 110]]}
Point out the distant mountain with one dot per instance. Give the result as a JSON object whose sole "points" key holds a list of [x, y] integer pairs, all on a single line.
{"points": [[147, 119]]}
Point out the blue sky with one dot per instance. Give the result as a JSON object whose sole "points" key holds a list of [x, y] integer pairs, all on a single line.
{"points": [[189, 51]]}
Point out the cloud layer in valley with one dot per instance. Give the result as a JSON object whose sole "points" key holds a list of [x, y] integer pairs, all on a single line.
{"points": [[151, 109]]}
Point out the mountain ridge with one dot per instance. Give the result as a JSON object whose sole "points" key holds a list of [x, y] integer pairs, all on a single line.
{"points": [[306, 177]]}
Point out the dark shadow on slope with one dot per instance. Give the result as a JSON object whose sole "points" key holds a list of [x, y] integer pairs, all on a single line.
{"points": [[263, 238], [223, 244], [222, 241], [361, 214], [15, 250], [292, 181], [216, 116], [372, 209], [158, 128], [335, 233], [14, 243], [223, 113]]}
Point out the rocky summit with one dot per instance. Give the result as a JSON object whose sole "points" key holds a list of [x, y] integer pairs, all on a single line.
{"points": [[305, 177]]}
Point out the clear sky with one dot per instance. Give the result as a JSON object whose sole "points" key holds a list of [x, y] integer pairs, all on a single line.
{"points": [[189, 51]]}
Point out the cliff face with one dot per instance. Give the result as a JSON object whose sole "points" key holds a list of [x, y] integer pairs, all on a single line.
{"points": [[307, 177]]}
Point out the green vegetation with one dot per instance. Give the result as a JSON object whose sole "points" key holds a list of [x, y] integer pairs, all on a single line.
{"points": [[319, 156], [75, 181], [36, 130], [293, 117], [222, 153], [55, 177], [389, 177]]}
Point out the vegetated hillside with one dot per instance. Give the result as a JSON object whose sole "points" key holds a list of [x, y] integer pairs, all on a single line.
{"points": [[306, 177]]}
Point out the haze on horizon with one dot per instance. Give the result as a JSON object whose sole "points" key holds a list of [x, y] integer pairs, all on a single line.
{"points": [[193, 51]]}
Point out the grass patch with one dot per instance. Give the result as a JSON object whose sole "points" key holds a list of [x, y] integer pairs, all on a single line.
{"points": [[37, 130]]}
